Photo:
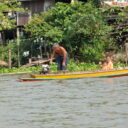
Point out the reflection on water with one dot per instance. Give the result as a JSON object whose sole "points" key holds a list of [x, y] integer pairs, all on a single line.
{"points": [[83, 103]]}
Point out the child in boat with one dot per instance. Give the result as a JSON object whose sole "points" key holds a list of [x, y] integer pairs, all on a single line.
{"points": [[108, 65]]}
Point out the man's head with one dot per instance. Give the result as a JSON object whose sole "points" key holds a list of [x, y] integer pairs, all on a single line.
{"points": [[55, 45]]}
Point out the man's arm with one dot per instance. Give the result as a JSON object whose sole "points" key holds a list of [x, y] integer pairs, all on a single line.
{"points": [[64, 55], [52, 56]]}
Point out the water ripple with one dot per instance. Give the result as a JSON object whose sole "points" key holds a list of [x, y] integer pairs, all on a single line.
{"points": [[83, 103]]}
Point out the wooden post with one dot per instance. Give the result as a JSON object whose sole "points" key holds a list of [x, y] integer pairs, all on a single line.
{"points": [[126, 50], [41, 52], [2, 56], [18, 46], [10, 57], [18, 39], [1, 41], [30, 60]]}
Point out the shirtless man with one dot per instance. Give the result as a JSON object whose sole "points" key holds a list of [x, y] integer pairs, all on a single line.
{"points": [[60, 55]]}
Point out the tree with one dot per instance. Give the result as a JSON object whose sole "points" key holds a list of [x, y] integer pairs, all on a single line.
{"points": [[97, 3], [117, 18], [80, 27], [8, 7], [8, 13]]}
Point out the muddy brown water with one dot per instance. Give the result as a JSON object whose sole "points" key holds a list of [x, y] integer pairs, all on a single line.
{"points": [[81, 103]]}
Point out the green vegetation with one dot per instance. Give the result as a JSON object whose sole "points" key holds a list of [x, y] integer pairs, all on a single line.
{"points": [[84, 29], [15, 70], [80, 27], [8, 7], [73, 66], [117, 18]]}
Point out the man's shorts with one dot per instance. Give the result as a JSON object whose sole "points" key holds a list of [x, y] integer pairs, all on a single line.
{"points": [[60, 61]]}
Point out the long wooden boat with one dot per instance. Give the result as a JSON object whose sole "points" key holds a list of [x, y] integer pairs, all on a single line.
{"points": [[76, 75], [113, 73]]}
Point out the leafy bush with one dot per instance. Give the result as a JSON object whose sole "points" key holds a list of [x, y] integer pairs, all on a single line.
{"points": [[117, 18], [8, 6], [73, 66], [25, 45], [79, 27]]}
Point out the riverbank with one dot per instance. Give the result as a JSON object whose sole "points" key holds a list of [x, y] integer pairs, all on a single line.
{"points": [[72, 67]]}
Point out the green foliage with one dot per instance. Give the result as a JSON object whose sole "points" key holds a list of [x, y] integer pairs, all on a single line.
{"points": [[4, 52], [117, 18], [97, 3], [15, 70], [29, 45], [79, 27], [119, 65], [72, 67], [8, 6]]}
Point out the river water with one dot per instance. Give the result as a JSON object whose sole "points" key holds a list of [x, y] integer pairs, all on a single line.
{"points": [[81, 103]]}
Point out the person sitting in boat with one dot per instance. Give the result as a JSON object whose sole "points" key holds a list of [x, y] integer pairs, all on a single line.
{"points": [[60, 55], [108, 64]]}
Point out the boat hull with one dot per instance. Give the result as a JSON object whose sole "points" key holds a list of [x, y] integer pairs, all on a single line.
{"points": [[30, 79], [115, 73]]}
